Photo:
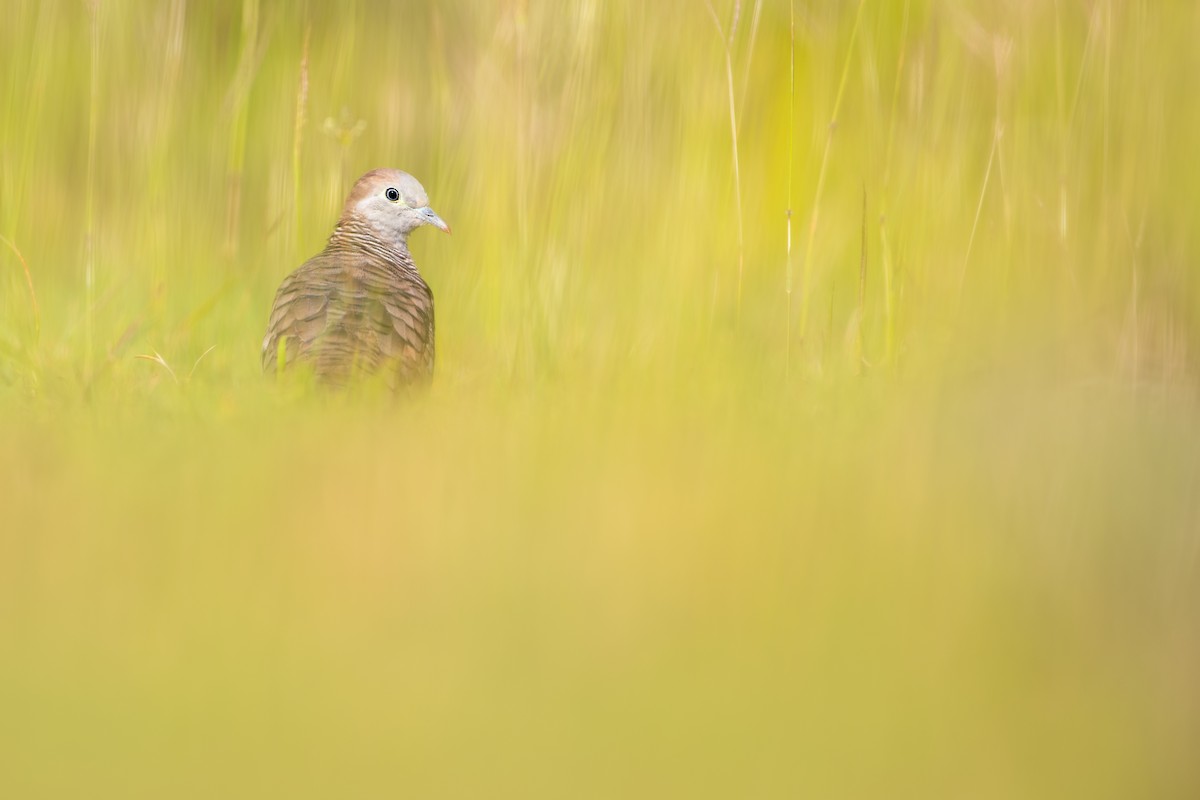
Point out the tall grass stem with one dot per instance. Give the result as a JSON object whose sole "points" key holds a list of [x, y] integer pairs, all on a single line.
{"points": [[298, 135], [90, 190], [814, 217]]}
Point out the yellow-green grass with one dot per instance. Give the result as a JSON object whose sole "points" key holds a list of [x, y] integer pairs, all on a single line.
{"points": [[927, 526]]}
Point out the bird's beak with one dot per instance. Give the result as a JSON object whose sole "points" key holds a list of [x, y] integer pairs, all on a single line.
{"points": [[433, 219]]}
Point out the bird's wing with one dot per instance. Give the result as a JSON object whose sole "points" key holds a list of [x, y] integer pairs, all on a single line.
{"points": [[406, 328], [299, 313], [344, 316]]}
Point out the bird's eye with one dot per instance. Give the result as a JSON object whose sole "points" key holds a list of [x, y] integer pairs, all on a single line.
{"points": [[392, 194]]}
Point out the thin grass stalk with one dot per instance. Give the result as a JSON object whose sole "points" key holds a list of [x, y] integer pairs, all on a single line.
{"points": [[806, 275], [900, 63], [298, 135], [727, 42], [755, 16], [1002, 53], [89, 270], [862, 281], [33, 301], [1088, 46], [524, 352], [161, 173], [240, 96], [995, 157], [1106, 116], [737, 183], [889, 300], [1060, 108], [788, 267], [987, 174], [42, 61]]}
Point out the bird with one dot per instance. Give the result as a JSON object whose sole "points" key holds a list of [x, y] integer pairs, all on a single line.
{"points": [[360, 307]]}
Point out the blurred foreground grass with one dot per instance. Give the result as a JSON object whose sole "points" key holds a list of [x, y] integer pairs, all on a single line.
{"points": [[927, 527]]}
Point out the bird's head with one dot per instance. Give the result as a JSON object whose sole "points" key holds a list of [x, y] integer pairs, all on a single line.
{"points": [[392, 204]]}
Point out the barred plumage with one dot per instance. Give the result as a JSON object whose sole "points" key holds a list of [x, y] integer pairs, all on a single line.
{"points": [[360, 307]]}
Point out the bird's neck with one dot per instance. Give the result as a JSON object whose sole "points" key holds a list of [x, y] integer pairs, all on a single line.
{"points": [[353, 235]]}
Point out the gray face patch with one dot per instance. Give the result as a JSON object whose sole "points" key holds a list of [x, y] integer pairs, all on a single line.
{"points": [[393, 203]]}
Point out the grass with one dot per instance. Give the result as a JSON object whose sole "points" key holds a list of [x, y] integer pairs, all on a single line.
{"points": [[727, 39], [932, 532]]}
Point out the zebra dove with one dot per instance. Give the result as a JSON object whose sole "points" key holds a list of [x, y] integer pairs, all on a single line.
{"points": [[360, 307]]}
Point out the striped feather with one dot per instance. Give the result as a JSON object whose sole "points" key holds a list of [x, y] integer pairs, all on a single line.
{"points": [[358, 307]]}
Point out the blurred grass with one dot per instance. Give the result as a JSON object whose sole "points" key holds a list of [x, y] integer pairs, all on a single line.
{"points": [[634, 542]]}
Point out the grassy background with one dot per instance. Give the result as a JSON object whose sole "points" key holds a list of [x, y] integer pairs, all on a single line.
{"points": [[925, 525]]}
